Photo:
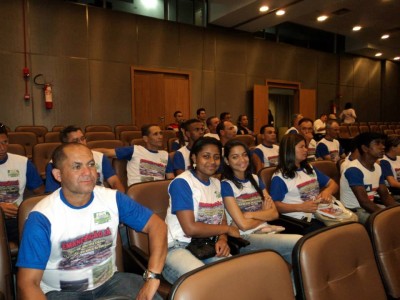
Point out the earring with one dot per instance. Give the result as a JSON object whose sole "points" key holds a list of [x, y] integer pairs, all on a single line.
{"points": [[194, 166]]}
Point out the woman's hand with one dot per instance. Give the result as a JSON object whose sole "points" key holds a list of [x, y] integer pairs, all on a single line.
{"points": [[309, 206], [324, 197], [221, 248]]}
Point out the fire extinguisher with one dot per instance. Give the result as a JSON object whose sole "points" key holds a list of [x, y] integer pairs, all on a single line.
{"points": [[47, 90]]}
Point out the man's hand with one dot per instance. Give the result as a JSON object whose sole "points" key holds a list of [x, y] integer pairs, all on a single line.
{"points": [[148, 290], [233, 231], [10, 209], [221, 248]]}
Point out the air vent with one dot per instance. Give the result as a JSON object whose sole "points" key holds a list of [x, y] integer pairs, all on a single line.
{"points": [[341, 12]]}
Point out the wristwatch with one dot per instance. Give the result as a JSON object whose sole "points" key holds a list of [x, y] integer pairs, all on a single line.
{"points": [[147, 275]]}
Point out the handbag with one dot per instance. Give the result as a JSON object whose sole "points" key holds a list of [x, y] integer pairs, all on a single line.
{"points": [[335, 213], [202, 248], [236, 243]]}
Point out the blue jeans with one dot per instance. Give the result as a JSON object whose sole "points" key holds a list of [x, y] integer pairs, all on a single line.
{"points": [[121, 284], [281, 243], [180, 261]]}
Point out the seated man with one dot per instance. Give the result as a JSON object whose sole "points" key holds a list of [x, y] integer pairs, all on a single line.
{"points": [[68, 244], [329, 147], [145, 163], [295, 124], [320, 127], [306, 130], [16, 173], [362, 181], [268, 151], [212, 123], [226, 131], [390, 164], [72, 134], [178, 120]]}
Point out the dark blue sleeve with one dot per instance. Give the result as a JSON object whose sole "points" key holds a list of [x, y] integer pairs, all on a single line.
{"points": [[226, 190], [322, 178], [321, 150], [132, 213], [354, 176], [106, 168], [261, 184], [51, 183], [381, 178], [293, 131], [33, 179], [386, 168], [259, 153], [181, 195], [179, 162], [278, 189], [175, 146], [124, 152], [35, 246], [341, 150], [170, 166]]}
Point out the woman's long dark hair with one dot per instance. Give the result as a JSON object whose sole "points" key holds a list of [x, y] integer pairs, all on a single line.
{"points": [[201, 143], [287, 156], [248, 174]]}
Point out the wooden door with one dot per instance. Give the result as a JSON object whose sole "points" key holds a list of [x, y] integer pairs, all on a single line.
{"points": [[308, 103], [260, 106], [177, 91]]}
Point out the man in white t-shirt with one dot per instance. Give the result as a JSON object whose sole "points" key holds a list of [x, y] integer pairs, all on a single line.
{"points": [[295, 124], [268, 151], [226, 131], [306, 130], [329, 147], [320, 127], [212, 123]]}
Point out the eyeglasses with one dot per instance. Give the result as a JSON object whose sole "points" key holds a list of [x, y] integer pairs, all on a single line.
{"points": [[77, 140]]}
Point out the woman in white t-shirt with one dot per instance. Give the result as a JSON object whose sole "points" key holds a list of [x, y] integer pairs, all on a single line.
{"points": [[348, 115]]}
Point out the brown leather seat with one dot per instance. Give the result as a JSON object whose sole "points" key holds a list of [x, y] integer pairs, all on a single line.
{"points": [[374, 128], [330, 169], [384, 230], [119, 128], [127, 136], [167, 134], [58, 128], [257, 275], [119, 166], [52, 137], [344, 132], [6, 275], [16, 149], [98, 128], [363, 128], [26, 139], [111, 144], [99, 135], [337, 262], [266, 175], [388, 131], [139, 142], [154, 195], [246, 139], [40, 131], [354, 130], [42, 155]]}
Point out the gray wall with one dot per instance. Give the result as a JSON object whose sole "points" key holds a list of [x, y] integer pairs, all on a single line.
{"points": [[87, 53]]}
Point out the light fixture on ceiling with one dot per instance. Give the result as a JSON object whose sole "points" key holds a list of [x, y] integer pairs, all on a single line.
{"points": [[357, 28], [378, 54], [322, 18], [149, 4], [264, 8], [396, 58], [280, 12], [385, 36]]}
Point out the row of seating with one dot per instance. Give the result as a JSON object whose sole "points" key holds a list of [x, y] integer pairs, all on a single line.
{"points": [[351, 131], [372, 123]]}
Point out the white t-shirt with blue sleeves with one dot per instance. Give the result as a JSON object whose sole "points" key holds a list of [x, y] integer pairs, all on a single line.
{"points": [[390, 167], [182, 159], [269, 155]]}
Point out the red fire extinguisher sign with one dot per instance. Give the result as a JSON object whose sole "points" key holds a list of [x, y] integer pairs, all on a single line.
{"points": [[48, 96]]}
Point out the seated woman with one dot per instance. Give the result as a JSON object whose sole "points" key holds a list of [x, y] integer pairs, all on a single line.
{"points": [[242, 125], [296, 187], [249, 205], [390, 164], [196, 211]]}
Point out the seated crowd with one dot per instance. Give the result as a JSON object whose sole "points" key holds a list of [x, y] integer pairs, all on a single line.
{"points": [[67, 249]]}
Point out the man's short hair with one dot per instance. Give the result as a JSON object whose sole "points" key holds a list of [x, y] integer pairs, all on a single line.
{"points": [[208, 121], [294, 117], [223, 115], [323, 114], [262, 129], [66, 131], [3, 129], [200, 110], [220, 126], [330, 123], [392, 141], [365, 139], [59, 153], [146, 128], [189, 122], [177, 112], [305, 120]]}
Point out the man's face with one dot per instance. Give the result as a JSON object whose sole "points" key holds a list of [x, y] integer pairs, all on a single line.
{"points": [[196, 131], [376, 148], [77, 172], [178, 118], [269, 136], [333, 131], [76, 137], [154, 140], [213, 125], [227, 117], [202, 116], [324, 118], [229, 131], [245, 121], [3, 146], [306, 129]]}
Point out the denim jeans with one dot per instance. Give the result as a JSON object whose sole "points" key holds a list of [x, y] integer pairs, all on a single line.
{"points": [[281, 243], [121, 284], [180, 261]]}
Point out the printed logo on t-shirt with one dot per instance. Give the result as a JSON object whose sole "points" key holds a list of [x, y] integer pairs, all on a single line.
{"points": [[272, 161], [210, 213], [249, 202], [13, 173], [150, 170], [308, 190], [102, 217], [9, 191]]}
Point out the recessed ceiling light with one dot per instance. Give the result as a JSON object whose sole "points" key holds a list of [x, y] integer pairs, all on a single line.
{"points": [[385, 36], [322, 18], [397, 58], [264, 8], [280, 12], [357, 28], [378, 54]]}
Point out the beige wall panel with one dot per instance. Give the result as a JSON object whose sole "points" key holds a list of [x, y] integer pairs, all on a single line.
{"points": [[252, 80], [231, 53], [209, 93], [367, 104], [392, 77], [361, 72], [158, 43], [112, 36], [71, 95], [390, 106], [327, 68], [110, 85], [260, 59], [346, 94], [284, 67], [57, 28], [346, 70], [325, 94], [190, 47], [11, 27], [14, 109], [209, 50], [307, 68], [231, 93], [196, 90]]}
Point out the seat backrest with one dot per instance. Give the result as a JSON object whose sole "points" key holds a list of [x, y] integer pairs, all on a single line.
{"points": [[154, 195], [98, 128], [127, 136], [40, 131], [374, 128], [139, 141], [266, 174], [119, 166], [247, 139], [255, 275], [58, 128], [392, 126], [16, 149], [97, 135], [111, 144], [397, 131], [6, 275], [354, 131], [119, 128], [167, 134], [363, 128], [27, 205], [383, 127], [52, 137], [26, 139], [388, 131], [337, 262], [384, 230], [344, 132], [42, 155]]}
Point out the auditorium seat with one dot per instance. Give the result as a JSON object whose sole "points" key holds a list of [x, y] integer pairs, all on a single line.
{"points": [[383, 127], [344, 132], [330, 169], [354, 131], [40, 131], [363, 128], [119, 128], [246, 139], [262, 274], [58, 128], [111, 144], [16, 149], [42, 154], [388, 131], [127, 136], [374, 128], [27, 139], [119, 166], [167, 134], [337, 262], [371, 123], [139, 142], [392, 126], [52, 137], [98, 128], [6, 275], [99, 135]]}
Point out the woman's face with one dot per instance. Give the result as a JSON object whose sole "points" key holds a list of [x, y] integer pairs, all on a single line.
{"points": [[238, 160], [207, 161], [301, 152], [244, 121]]}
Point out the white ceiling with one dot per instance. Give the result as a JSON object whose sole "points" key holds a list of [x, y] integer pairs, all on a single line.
{"points": [[377, 17]]}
